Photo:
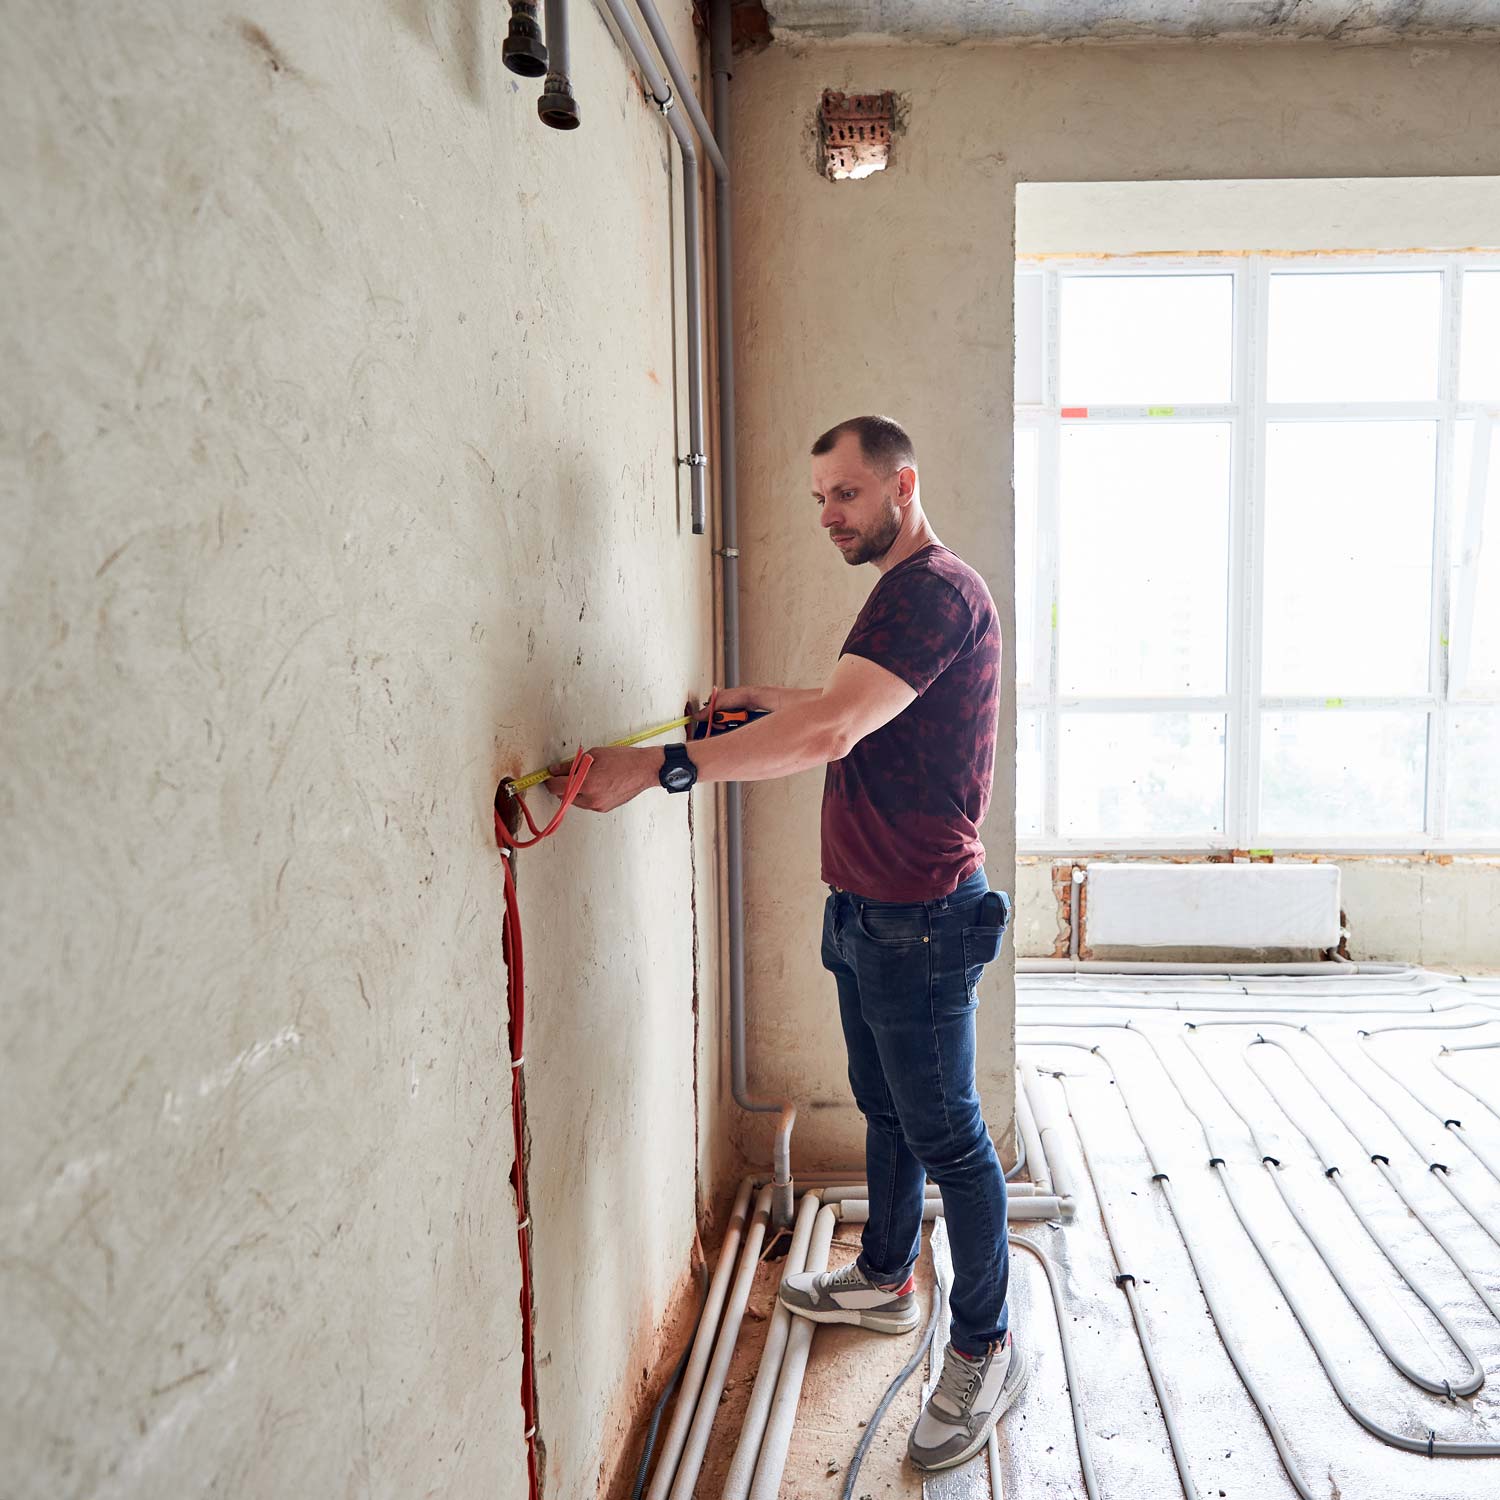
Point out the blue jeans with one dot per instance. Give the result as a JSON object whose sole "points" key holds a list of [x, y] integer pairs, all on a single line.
{"points": [[906, 976]]}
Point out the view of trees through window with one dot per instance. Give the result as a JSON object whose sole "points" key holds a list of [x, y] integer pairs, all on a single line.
{"points": [[1258, 553]]}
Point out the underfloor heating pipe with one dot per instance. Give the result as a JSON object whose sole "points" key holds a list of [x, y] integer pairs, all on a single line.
{"points": [[778, 1435], [1070, 1369], [1458, 1083], [1125, 1280], [1456, 1127], [1221, 1326], [1441, 1170], [685, 1479], [1438, 1386], [1432, 1445], [757, 1412], [692, 1382], [1146, 966], [1379, 1159]]}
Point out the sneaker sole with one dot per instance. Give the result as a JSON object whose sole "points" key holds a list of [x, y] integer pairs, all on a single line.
{"points": [[1015, 1382], [871, 1320]]}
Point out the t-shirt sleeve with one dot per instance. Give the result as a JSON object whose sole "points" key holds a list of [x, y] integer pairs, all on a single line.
{"points": [[913, 626]]}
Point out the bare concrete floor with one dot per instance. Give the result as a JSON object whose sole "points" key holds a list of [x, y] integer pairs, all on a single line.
{"points": [[1298, 1097]]}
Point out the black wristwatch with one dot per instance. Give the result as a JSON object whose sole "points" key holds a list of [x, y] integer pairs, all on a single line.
{"points": [[677, 773]]}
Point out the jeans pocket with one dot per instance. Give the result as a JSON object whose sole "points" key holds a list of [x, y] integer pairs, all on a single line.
{"points": [[894, 926], [983, 941]]}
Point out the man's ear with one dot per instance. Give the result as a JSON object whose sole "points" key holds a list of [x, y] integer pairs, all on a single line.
{"points": [[906, 483]]}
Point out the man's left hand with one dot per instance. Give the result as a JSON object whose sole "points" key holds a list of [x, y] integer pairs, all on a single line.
{"points": [[619, 773]]}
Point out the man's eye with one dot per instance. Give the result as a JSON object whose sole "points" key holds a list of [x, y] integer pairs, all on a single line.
{"points": [[847, 495]]}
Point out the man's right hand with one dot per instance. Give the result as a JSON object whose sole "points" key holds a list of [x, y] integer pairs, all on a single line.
{"points": [[767, 698]]}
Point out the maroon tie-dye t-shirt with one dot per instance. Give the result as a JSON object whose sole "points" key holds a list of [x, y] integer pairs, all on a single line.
{"points": [[901, 811]]}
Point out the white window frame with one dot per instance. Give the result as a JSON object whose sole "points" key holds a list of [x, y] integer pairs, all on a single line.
{"points": [[1247, 414]]}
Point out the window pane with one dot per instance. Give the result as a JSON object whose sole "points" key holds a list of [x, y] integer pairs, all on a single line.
{"points": [[1348, 557], [1144, 340], [1474, 555], [1029, 344], [1141, 774], [1479, 366], [1342, 772], [1025, 480], [1354, 335], [1144, 547], [1029, 772], [1473, 780]]}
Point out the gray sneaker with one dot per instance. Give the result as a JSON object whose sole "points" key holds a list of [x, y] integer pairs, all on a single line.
{"points": [[845, 1296], [970, 1397]]}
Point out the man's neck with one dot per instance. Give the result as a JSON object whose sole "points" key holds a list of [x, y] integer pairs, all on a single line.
{"points": [[911, 539]]}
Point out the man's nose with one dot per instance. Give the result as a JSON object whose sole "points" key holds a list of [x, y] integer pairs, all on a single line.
{"points": [[828, 518]]}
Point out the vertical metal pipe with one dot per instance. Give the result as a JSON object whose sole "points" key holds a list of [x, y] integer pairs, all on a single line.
{"points": [[720, 60], [557, 106], [656, 85], [715, 146]]}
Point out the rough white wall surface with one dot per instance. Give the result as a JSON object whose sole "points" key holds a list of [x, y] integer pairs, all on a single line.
{"points": [[339, 476], [895, 294]]}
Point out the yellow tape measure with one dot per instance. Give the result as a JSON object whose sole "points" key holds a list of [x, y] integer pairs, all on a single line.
{"points": [[536, 778]]}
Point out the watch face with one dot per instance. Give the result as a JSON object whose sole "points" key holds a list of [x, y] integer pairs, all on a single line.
{"points": [[678, 778]]}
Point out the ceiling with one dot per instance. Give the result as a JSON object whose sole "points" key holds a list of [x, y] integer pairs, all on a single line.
{"points": [[1130, 20]]}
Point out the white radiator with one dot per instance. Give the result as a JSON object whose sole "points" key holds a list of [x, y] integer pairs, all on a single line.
{"points": [[1212, 906]]}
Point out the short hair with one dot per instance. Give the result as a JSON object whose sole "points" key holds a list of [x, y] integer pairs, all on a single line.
{"points": [[883, 442]]}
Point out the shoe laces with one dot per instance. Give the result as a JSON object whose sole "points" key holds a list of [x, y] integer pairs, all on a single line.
{"points": [[847, 1276], [958, 1382]]}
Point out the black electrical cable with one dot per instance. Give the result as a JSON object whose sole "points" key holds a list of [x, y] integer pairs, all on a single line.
{"points": [[939, 1301], [639, 1487]]}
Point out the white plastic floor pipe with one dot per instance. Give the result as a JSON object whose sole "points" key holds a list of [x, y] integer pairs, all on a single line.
{"points": [[757, 1413], [1049, 1130], [778, 1436], [1036, 1157], [692, 1380], [686, 1479]]}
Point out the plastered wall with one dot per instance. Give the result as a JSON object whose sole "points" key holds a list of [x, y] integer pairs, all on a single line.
{"points": [[895, 294], [337, 428]]}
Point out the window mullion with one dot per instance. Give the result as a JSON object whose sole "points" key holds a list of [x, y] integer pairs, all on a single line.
{"points": [[1439, 678], [1048, 528], [1249, 587]]}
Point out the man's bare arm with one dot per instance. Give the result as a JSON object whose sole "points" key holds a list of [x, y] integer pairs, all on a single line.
{"points": [[815, 728]]}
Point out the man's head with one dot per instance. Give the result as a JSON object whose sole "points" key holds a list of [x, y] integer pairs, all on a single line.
{"points": [[864, 478]]}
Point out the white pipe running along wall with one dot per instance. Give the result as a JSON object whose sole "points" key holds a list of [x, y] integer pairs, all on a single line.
{"points": [[857, 1210], [686, 1479], [692, 1380], [1036, 1157], [1049, 1130], [778, 1435], [757, 1413]]}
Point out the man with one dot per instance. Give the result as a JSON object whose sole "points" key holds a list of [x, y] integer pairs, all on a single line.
{"points": [[906, 726]]}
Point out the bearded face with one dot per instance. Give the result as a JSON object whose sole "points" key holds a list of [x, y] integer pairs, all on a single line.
{"points": [[871, 540]]}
